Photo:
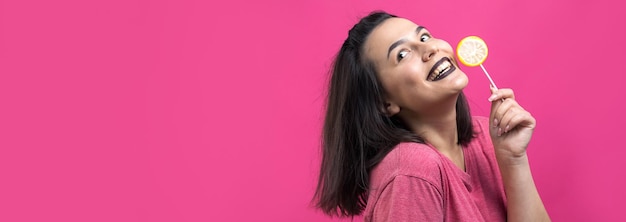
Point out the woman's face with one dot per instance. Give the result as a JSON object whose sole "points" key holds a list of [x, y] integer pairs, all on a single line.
{"points": [[417, 70]]}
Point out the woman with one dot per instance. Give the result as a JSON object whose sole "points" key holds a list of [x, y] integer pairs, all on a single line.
{"points": [[399, 143]]}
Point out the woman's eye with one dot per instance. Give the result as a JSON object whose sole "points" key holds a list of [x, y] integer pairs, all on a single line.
{"points": [[402, 55], [425, 37]]}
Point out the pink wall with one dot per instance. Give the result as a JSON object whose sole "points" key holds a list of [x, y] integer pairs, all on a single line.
{"points": [[192, 111]]}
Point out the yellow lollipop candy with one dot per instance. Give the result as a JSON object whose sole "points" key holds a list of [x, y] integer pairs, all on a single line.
{"points": [[472, 51]]}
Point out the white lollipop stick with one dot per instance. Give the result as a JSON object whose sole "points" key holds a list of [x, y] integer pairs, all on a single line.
{"points": [[489, 77]]}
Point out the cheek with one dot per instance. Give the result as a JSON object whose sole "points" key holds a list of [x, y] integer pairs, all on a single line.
{"points": [[399, 81], [411, 81], [414, 73]]}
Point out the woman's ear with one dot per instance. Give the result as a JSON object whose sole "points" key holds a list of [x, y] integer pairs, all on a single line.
{"points": [[391, 108]]}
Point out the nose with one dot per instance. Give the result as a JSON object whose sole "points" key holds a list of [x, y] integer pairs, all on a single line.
{"points": [[429, 53]]}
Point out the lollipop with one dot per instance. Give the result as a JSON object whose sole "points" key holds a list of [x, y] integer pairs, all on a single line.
{"points": [[472, 51]]}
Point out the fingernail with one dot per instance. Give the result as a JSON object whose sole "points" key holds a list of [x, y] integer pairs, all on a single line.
{"points": [[492, 97], [506, 129], [499, 131], [495, 121]]}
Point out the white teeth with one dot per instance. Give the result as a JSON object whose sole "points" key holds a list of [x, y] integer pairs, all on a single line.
{"points": [[443, 67]]}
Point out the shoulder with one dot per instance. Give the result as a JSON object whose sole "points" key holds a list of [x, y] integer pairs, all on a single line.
{"points": [[481, 124], [481, 129], [406, 199], [409, 169], [409, 159]]}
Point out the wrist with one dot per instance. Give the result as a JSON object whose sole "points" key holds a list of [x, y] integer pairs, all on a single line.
{"points": [[511, 159]]}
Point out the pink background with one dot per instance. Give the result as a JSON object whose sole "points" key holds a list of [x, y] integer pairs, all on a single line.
{"points": [[142, 110]]}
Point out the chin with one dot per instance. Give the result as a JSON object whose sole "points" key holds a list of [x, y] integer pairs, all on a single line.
{"points": [[459, 81]]}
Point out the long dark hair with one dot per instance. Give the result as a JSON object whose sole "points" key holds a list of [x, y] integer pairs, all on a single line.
{"points": [[357, 133]]}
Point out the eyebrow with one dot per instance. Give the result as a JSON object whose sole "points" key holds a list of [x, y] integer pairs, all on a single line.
{"points": [[401, 41]]}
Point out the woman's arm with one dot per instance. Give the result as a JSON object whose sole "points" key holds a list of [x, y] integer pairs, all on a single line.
{"points": [[511, 128]]}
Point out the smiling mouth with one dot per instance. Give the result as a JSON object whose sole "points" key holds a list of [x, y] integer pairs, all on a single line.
{"points": [[441, 69]]}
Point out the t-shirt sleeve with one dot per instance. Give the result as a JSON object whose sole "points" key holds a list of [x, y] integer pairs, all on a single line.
{"points": [[408, 198]]}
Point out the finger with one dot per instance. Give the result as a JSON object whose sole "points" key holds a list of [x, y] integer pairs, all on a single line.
{"points": [[501, 94], [521, 119], [513, 122], [504, 110], [500, 112], [509, 119], [495, 104], [496, 101], [493, 90], [493, 118]]}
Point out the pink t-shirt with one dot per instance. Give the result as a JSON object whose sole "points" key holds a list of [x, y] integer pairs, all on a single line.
{"points": [[415, 182]]}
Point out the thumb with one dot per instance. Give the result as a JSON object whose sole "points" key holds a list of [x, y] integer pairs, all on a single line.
{"points": [[492, 89]]}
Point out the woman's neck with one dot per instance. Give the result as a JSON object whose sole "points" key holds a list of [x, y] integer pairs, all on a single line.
{"points": [[439, 129]]}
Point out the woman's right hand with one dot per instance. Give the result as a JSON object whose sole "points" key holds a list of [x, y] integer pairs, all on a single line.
{"points": [[511, 126]]}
